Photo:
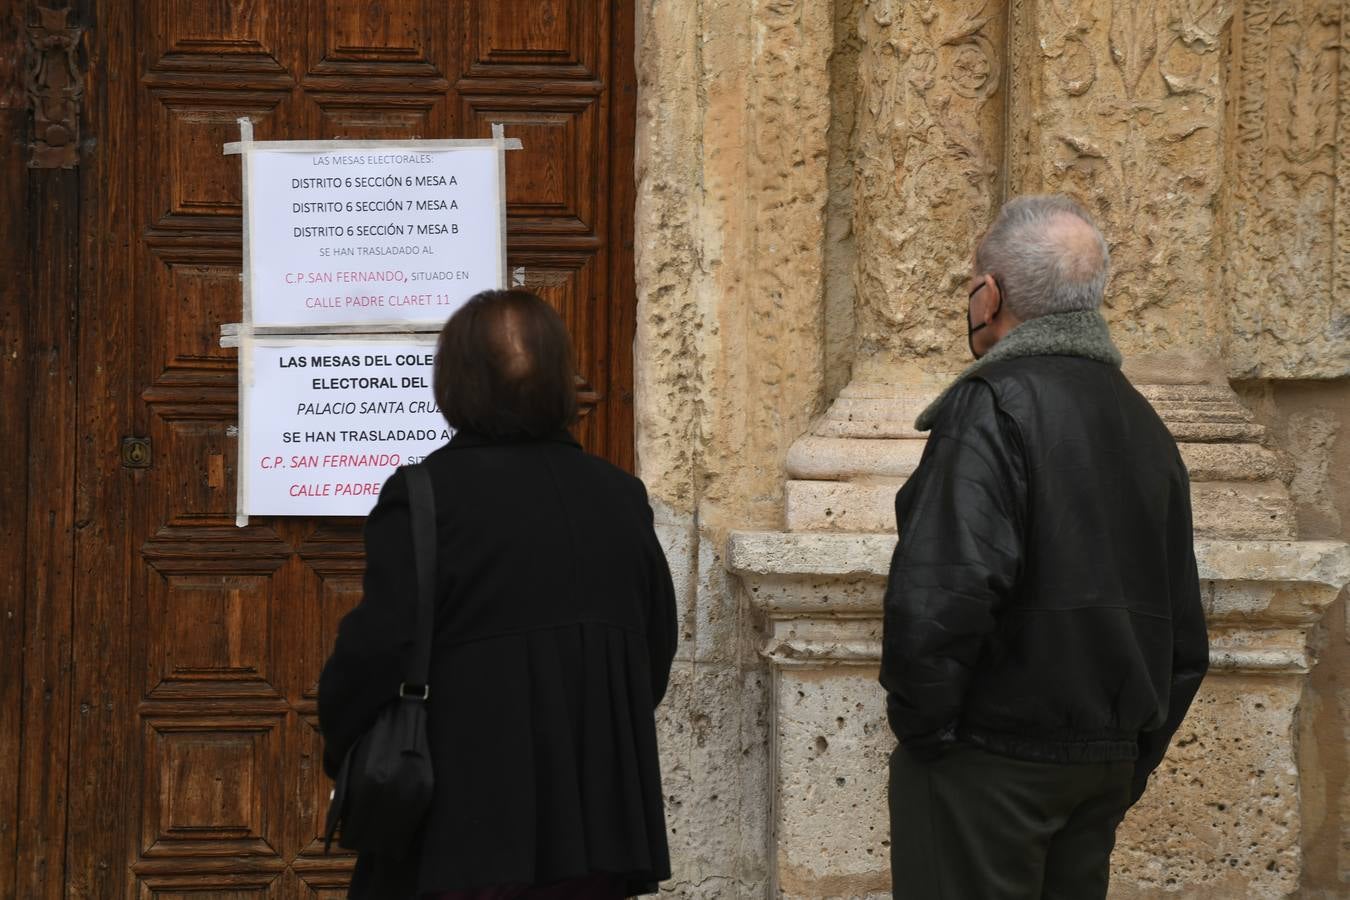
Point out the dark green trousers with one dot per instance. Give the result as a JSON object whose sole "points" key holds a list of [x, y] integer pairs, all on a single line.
{"points": [[972, 825]]}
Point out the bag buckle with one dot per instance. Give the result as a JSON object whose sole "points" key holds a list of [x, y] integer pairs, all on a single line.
{"points": [[423, 692]]}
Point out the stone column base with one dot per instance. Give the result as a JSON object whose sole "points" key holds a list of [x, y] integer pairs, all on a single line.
{"points": [[1221, 818]]}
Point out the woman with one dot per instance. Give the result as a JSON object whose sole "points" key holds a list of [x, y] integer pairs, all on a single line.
{"points": [[554, 635]]}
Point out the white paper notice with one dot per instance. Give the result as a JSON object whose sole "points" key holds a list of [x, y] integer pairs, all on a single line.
{"points": [[384, 235], [329, 421]]}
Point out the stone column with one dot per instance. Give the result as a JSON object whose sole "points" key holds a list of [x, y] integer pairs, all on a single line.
{"points": [[928, 152]]}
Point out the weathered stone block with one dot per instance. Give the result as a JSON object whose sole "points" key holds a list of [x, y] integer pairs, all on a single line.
{"points": [[1221, 815], [1229, 462], [828, 459], [1221, 510], [713, 732], [833, 744], [840, 506], [679, 540], [1230, 510]]}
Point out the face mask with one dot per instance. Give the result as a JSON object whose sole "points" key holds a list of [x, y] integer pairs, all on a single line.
{"points": [[971, 329]]}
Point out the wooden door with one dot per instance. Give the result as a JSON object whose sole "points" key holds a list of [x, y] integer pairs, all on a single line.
{"points": [[186, 762]]}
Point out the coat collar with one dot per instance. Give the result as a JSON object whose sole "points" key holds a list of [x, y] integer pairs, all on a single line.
{"points": [[463, 439], [1083, 333]]}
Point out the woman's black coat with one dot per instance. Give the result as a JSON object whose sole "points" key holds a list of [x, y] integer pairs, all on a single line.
{"points": [[554, 634]]}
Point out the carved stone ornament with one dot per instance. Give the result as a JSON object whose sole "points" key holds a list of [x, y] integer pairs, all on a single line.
{"points": [[55, 86]]}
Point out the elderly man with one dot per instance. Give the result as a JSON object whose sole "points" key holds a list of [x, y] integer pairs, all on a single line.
{"points": [[1043, 628]]}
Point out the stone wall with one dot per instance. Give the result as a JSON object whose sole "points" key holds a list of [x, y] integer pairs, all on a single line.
{"points": [[812, 176]]}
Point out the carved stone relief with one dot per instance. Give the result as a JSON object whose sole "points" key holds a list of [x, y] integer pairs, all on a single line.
{"points": [[1290, 245], [1125, 112], [930, 126]]}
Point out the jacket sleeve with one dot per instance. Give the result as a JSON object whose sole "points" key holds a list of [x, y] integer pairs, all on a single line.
{"points": [[662, 625], [366, 666], [1190, 647], [960, 550]]}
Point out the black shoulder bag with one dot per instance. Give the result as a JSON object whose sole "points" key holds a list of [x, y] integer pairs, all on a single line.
{"points": [[384, 787]]}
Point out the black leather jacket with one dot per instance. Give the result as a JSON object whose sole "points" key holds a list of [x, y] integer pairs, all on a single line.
{"points": [[1043, 600]]}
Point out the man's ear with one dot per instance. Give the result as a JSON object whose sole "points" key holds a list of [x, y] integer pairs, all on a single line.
{"points": [[990, 300]]}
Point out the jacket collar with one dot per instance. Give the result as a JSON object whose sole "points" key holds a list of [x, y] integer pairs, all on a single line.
{"points": [[1082, 333], [463, 439]]}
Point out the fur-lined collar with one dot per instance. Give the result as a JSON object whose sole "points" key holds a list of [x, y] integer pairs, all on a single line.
{"points": [[1081, 333]]}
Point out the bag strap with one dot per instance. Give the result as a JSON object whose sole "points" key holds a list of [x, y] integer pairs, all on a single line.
{"points": [[423, 504], [337, 800]]}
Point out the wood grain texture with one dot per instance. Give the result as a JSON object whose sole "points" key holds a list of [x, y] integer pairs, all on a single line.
{"points": [[101, 778], [11, 64], [53, 314], [49, 591], [14, 393]]}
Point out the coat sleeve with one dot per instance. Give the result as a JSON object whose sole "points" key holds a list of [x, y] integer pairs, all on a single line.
{"points": [[960, 521], [662, 624], [366, 666], [1190, 648]]}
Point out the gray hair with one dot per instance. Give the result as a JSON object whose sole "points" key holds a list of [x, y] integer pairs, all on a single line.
{"points": [[1045, 261]]}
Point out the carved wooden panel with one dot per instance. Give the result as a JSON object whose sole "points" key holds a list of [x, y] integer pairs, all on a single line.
{"points": [[219, 35], [209, 887], [380, 117], [215, 634], [211, 786], [191, 189], [313, 788], [195, 186], [553, 181], [393, 37], [336, 586], [196, 456], [54, 85], [203, 295], [323, 885], [555, 38]]}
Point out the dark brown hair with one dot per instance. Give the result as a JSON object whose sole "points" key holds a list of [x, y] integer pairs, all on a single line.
{"points": [[504, 367]]}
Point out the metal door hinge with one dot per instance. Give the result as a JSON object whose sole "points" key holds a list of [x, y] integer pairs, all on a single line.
{"points": [[136, 452]]}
